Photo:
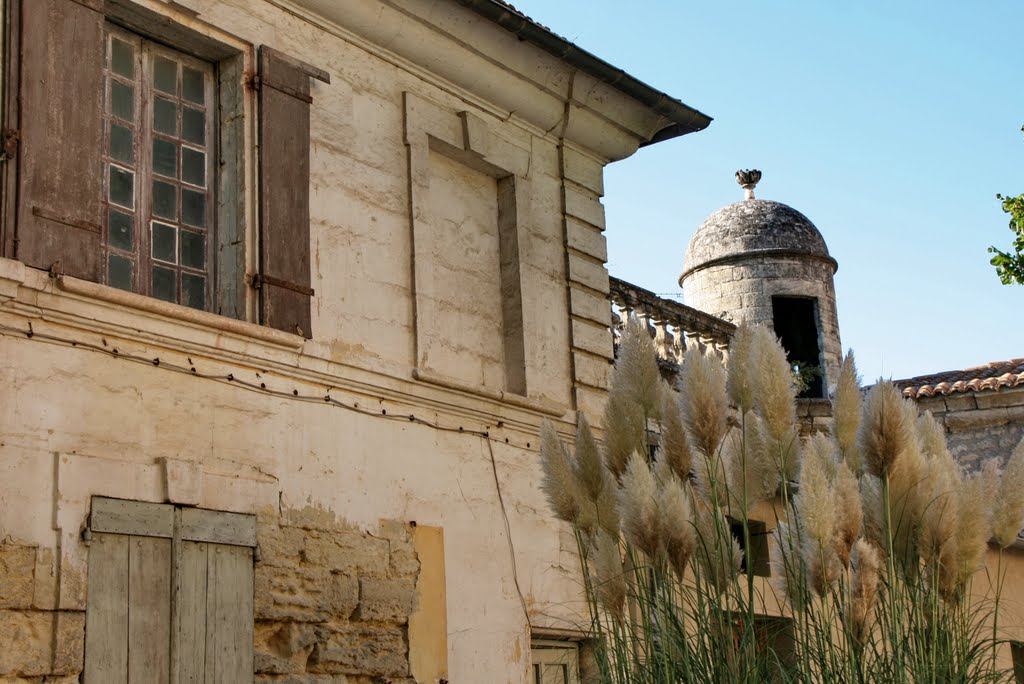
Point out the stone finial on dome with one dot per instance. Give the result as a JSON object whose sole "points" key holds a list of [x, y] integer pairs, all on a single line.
{"points": [[748, 178]]}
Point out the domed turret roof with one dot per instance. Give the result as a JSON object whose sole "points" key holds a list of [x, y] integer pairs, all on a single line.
{"points": [[754, 227]]}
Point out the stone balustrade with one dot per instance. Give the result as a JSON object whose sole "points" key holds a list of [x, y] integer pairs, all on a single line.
{"points": [[675, 327]]}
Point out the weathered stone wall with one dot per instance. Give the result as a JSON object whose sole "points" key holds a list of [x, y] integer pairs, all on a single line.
{"points": [[37, 642], [742, 291], [814, 415], [332, 603], [332, 600], [103, 394], [980, 425]]}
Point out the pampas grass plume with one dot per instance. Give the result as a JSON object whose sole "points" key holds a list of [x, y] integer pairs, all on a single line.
{"points": [[974, 524], [609, 582], [867, 564], [909, 498], [849, 512], [588, 466], [816, 500], [931, 437], [675, 446], [884, 431], [752, 474], [638, 506], [788, 572], [677, 533], [1009, 511], [776, 393], [873, 527], [742, 370], [702, 385], [937, 536], [558, 482], [625, 430], [846, 413], [636, 369], [816, 514]]}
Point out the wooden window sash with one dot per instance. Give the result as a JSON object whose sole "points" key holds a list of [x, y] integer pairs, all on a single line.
{"points": [[143, 218], [555, 662]]}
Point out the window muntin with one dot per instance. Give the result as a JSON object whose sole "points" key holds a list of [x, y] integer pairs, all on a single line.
{"points": [[158, 197], [555, 662]]}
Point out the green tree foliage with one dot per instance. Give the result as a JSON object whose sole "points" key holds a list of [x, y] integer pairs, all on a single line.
{"points": [[1010, 265]]}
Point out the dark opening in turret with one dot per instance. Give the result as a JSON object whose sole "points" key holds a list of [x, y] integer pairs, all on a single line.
{"points": [[796, 323]]}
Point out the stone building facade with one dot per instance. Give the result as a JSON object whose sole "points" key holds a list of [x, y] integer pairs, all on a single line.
{"points": [[286, 290]]}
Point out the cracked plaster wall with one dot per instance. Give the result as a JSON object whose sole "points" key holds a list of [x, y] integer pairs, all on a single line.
{"points": [[76, 423]]}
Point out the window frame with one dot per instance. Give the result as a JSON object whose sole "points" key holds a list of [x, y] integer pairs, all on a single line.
{"points": [[52, 211], [554, 653], [145, 174]]}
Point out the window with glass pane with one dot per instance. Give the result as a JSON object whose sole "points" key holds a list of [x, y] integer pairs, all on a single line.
{"points": [[555, 662], [158, 195]]}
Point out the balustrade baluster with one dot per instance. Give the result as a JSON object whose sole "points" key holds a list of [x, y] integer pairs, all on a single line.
{"points": [[669, 323]]}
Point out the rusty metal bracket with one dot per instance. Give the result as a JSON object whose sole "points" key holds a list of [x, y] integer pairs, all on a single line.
{"points": [[259, 280], [10, 145]]}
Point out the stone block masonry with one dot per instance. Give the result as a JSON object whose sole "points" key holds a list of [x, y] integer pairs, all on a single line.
{"points": [[37, 644], [332, 602]]}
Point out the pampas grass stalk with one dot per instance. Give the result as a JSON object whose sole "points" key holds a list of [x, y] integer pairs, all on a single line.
{"points": [[872, 557], [884, 433], [846, 408], [1009, 510], [704, 401], [638, 506]]}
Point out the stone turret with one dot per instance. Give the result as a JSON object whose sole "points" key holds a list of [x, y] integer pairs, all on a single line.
{"points": [[761, 261]]}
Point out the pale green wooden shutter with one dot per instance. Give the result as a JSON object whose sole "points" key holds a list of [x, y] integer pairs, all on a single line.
{"points": [[214, 619], [170, 595]]}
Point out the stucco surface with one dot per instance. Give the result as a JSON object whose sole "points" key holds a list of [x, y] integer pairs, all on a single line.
{"points": [[107, 397]]}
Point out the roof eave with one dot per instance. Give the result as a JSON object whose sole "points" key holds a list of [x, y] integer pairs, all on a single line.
{"points": [[685, 119]]}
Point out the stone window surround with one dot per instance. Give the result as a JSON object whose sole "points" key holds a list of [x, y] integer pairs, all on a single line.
{"points": [[466, 138]]}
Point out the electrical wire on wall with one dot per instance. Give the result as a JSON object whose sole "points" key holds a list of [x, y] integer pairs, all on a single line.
{"points": [[295, 395]]}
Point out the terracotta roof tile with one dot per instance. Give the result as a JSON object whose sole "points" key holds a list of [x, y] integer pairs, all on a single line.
{"points": [[991, 376]]}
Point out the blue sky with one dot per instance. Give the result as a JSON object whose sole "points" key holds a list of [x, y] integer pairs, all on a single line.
{"points": [[890, 125]]}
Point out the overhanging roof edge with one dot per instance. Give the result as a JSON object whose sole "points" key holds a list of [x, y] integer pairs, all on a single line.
{"points": [[685, 119]]}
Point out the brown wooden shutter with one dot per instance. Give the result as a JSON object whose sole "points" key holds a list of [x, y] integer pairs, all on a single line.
{"points": [[284, 277], [60, 168]]}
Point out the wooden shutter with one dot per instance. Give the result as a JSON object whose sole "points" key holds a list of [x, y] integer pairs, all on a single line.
{"points": [[170, 594], [214, 613], [284, 278], [59, 205], [128, 615]]}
